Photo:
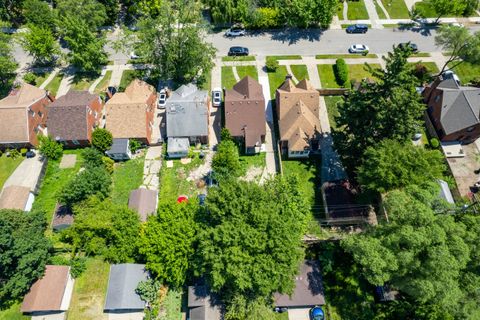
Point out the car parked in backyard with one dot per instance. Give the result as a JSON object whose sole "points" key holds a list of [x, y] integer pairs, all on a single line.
{"points": [[235, 32], [217, 97], [357, 28], [238, 51], [358, 48], [162, 98], [410, 45]]}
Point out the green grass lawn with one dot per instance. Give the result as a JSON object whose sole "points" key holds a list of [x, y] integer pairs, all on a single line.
{"points": [[40, 77], [426, 9], [421, 55], [228, 79], [379, 10], [172, 305], [103, 84], [397, 9], [431, 66], [53, 85], [345, 56], [340, 11], [357, 10], [126, 177], [276, 79], [308, 172], [332, 108], [358, 72], [7, 166], [327, 77], [467, 72], [127, 77], [88, 297], [240, 58], [300, 71], [53, 182], [173, 181], [257, 160], [83, 81], [244, 71], [13, 313], [286, 57]]}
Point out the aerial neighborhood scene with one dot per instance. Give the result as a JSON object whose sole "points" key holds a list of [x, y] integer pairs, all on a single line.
{"points": [[240, 159]]}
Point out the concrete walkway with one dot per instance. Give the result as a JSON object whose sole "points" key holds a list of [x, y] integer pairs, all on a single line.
{"points": [[290, 72], [235, 74], [385, 12], [311, 64], [65, 84], [217, 73], [151, 168], [345, 10], [372, 14], [49, 78], [97, 81], [116, 78]]}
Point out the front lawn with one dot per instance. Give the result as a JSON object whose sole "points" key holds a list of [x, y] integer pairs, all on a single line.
{"points": [[126, 177], [467, 72], [53, 182], [127, 77], [431, 66], [40, 78], [379, 10], [327, 77], [299, 71], [53, 85], [103, 84], [426, 9], [239, 58], [244, 71], [345, 56], [83, 81], [332, 109], [228, 79], [357, 71], [7, 166], [276, 79], [13, 313], [397, 9], [357, 10], [88, 298]]}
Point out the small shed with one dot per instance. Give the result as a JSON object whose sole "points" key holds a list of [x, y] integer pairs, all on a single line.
{"points": [[16, 197], [143, 201], [63, 218], [202, 305], [120, 150], [178, 147]]}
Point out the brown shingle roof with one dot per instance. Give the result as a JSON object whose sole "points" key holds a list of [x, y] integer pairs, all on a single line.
{"points": [[14, 197], [308, 290], [126, 112], [14, 113], [67, 116], [46, 294], [143, 201], [245, 111], [298, 113]]}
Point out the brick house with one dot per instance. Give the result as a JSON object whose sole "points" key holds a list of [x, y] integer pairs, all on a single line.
{"points": [[73, 117], [245, 114], [23, 115], [131, 114], [454, 110]]}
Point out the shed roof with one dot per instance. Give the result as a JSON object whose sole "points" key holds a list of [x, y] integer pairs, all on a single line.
{"points": [[178, 145], [119, 145], [14, 197], [122, 282], [308, 290], [143, 201], [201, 304], [46, 294], [62, 218]]}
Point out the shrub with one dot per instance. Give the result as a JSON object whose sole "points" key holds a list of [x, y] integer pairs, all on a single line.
{"points": [[49, 148], [225, 135], [102, 139], [93, 181], [78, 266], [434, 143], [92, 158], [271, 64], [30, 78], [226, 161], [341, 72], [134, 145], [23, 151], [108, 164], [264, 18], [14, 154]]}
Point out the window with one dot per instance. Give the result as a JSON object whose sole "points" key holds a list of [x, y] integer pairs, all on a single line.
{"points": [[31, 112], [75, 142], [40, 114]]}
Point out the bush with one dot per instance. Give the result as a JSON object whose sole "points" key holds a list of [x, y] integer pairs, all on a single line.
{"points": [[341, 72], [225, 135], [13, 153], [271, 64], [102, 139], [434, 143], [92, 181], [108, 164], [134, 145], [264, 18], [49, 148], [92, 158], [226, 161], [78, 266], [30, 78], [23, 151]]}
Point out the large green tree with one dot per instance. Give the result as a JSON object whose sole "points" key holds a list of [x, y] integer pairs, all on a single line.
{"points": [[304, 13], [91, 181], [7, 64], [40, 43], [11, 11], [173, 43], [391, 165], [249, 242], [90, 11], [226, 161], [24, 251], [104, 228], [39, 13], [166, 242], [389, 108], [448, 7]]}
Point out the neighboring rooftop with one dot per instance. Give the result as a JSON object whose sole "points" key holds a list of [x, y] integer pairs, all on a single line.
{"points": [[122, 282], [202, 305], [308, 291], [143, 201], [14, 197], [47, 293], [119, 145], [62, 218], [187, 112]]}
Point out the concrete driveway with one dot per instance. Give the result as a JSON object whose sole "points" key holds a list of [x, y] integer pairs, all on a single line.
{"points": [[27, 174], [299, 314]]}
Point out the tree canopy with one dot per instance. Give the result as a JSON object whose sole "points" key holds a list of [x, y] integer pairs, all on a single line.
{"points": [[7, 64], [249, 242], [24, 252], [226, 161], [91, 181], [102, 139], [451, 7], [166, 242], [391, 165], [389, 108], [40, 43], [90, 11]]}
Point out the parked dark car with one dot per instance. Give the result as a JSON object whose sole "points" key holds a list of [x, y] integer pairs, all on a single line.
{"points": [[30, 154], [357, 28], [410, 45], [238, 51]]}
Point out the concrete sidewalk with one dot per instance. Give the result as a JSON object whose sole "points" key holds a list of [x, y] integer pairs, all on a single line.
{"points": [[27, 174]]}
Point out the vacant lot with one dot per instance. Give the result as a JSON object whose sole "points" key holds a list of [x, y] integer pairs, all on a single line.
{"points": [[127, 176]]}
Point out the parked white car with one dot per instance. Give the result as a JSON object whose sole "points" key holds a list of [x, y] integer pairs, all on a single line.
{"points": [[217, 97], [449, 74], [235, 32], [358, 48], [162, 98]]}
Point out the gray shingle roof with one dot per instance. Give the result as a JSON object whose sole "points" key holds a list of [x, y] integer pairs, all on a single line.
{"points": [[202, 306], [177, 145], [122, 282], [119, 145], [460, 106], [187, 112]]}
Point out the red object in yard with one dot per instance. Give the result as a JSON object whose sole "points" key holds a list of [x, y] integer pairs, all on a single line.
{"points": [[182, 199]]}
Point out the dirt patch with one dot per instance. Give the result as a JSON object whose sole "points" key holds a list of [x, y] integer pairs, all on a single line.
{"points": [[68, 161]]}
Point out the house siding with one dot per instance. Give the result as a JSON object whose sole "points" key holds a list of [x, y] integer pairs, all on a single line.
{"points": [[37, 120], [150, 118]]}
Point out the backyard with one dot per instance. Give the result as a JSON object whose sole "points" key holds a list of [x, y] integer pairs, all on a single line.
{"points": [[332, 109], [126, 177], [467, 72], [7, 166]]}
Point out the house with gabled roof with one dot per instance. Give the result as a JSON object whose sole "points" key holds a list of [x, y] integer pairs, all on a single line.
{"points": [[73, 117], [454, 110], [298, 117], [23, 115], [187, 111], [245, 114], [131, 114]]}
